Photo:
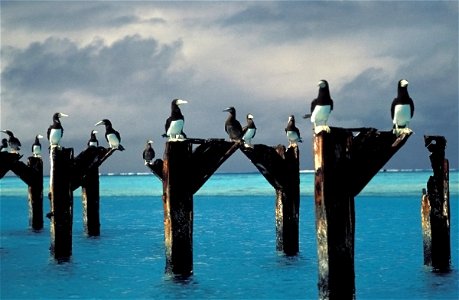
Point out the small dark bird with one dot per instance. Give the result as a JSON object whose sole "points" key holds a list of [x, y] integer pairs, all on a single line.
{"points": [[55, 130], [174, 124], [93, 142], [292, 132], [4, 146], [111, 135], [402, 109], [321, 108], [249, 131], [36, 146], [148, 154], [232, 126], [13, 142]]}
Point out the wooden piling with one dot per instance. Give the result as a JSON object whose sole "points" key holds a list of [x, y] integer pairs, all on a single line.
{"points": [[281, 168], [61, 202], [90, 201], [35, 193], [182, 172], [86, 174], [335, 215], [437, 248], [178, 209]]}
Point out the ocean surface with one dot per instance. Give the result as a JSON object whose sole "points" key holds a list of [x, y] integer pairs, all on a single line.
{"points": [[234, 243]]}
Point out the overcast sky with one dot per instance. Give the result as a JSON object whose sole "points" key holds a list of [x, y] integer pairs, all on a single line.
{"points": [[126, 61]]}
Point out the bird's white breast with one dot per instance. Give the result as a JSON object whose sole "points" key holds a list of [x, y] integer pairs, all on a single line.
{"points": [[113, 140], [175, 128], [36, 149], [292, 135], [320, 114], [55, 136], [402, 114], [249, 134]]}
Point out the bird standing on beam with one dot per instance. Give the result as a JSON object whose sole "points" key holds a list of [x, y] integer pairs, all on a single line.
{"points": [[232, 126], [292, 132], [93, 142], [36, 146], [13, 142], [249, 131], [175, 122], [111, 135], [321, 108], [402, 109], [55, 130], [148, 153]]}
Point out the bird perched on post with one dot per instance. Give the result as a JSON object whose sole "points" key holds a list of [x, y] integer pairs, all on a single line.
{"points": [[93, 142], [402, 109], [249, 131], [232, 126], [148, 153], [321, 108], [175, 122], [292, 132], [55, 130], [36, 146], [13, 142], [111, 135], [4, 146]]}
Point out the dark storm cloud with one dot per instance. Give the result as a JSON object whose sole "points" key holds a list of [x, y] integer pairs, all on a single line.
{"points": [[258, 56]]}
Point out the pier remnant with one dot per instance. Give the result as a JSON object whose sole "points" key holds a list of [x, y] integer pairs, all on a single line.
{"points": [[61, 202], [281, 168], [183, 172], [86, 174], [345, 161], [435, 208], [32, 175]]}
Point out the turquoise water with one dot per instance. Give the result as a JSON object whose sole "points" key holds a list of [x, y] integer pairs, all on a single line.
{"points": [[234, 243]]}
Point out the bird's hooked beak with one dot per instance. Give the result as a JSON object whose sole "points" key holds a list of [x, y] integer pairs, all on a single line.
{"points": [[321, 84], [62, 115], [228, 109], [403, 83], [39, 136], [150, 142], [180, 102], [94, 131], [249, 116], [100, 123]]}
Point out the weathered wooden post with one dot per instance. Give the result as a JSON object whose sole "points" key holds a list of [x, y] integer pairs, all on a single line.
{"points": [[344, 163], [335, 215], [90, 199], [35, 195], [435, 209], [281, 168], [178, 208], [32, 175], [61, 199], [86, 174], [183, 172]]}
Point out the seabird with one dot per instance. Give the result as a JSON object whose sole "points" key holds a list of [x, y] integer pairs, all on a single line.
{"points": [[111, 135], [292, 132], [93, 142], [232, 126], [321, 108], [402, 109], [13, 142], [249, 131], [55, 130], [174, 124], [36, 146], [148, 153], [4, 146]]}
